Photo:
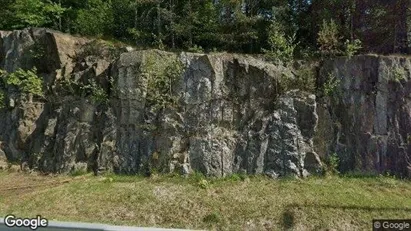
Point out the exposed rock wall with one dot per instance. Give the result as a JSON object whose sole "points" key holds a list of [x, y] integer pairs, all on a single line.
{"points": [[227, 115], [228, 118], [370, 113]]}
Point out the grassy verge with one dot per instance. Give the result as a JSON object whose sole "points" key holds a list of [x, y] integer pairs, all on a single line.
{"points": [[235, 203]]}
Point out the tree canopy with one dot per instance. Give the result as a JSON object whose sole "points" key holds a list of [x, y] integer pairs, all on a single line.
{"points": [[248, 26]]}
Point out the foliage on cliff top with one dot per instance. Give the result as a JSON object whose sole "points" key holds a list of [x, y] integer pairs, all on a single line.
{"points": [[235, 26]]}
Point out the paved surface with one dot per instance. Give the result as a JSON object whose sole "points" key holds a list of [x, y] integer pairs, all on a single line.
{"points": [[71, 226]]}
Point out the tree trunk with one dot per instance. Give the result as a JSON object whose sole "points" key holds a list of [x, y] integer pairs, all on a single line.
{"points": [[401, 37], [158, 20], [172, 24], [60, 24], [136, 16], [190, 41]]}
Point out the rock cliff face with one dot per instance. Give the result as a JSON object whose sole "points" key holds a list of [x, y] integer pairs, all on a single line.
{"points": [[225, 115], [369, 114], [215, 113]]}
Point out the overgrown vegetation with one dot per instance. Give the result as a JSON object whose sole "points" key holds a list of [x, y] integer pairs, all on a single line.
{"points": [[2, 99], [235, 26], [303, 79], [37, 52], [281, 47], [398, 74], [352, 47], [330, 41], [98, 94], [329, 38], [91, 89], [332, 163], [2, 89], [100, 48], [160, 77], [331, 85], [26, 82]]}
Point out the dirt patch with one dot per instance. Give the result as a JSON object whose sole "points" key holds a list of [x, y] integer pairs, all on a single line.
{"points": [[21, 183]]}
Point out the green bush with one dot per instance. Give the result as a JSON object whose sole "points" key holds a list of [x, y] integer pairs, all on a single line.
{"points": [[305, 79], [98, 94], [36, 13], [352, 47], [237, 177], [96, 19], [26, 81], [328, 38], [196, 49], [331, 85], [281, 47], [37, 52], [160, 78], [212, 218], [95, 92], [398, 74], [204, 184], [333, 162]]}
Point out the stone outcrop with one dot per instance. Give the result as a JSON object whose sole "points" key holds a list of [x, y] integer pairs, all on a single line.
{"points": [[369, 114], [219, 114], [228, 116]]}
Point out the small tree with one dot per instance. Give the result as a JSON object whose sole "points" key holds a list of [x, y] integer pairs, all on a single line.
{"points": [[36, 13], [96, 19], [328, 38], [352, 47], [281, 47]]}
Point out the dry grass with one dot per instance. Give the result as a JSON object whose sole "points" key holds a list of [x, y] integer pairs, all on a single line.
{"points": [[235, 203]]}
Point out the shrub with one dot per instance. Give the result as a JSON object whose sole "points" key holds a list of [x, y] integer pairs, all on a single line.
{"points": [[281, 47], [212, 218], [160, 78], [2, 99], [352, 47], [328, 38], [96, 19], [196, 49], [37, 52], [98, 94], [305, 79], [140, 37], [331, 85], [26, 81], [204, 184], [398, 74], [333, 162], [158, 41]]}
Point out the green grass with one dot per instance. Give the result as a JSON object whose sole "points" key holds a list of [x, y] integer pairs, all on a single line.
{"points": [[233, 203]]}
